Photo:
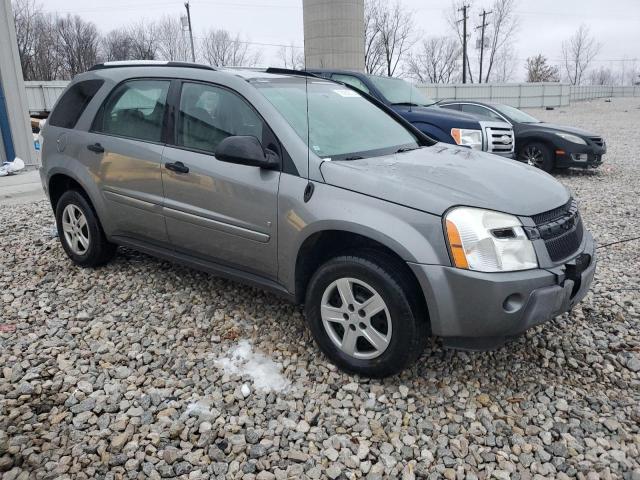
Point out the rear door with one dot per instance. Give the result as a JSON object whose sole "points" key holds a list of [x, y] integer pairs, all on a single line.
{"points": [[216, 210], [125, 147]]}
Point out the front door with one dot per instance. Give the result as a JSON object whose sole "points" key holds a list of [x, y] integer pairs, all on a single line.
{"points": [[216, 210], [124, 151]]}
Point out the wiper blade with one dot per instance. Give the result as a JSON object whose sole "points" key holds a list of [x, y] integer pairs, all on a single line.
{"points": [[406, 149], [406, 104], [355, 157]]}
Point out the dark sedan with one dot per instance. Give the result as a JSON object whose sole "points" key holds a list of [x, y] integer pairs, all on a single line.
{"points": [[543, 145]]}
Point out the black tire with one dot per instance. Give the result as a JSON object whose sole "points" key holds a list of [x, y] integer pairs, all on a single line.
{"points": [[99, 250], [404, 302], [546, 161]]}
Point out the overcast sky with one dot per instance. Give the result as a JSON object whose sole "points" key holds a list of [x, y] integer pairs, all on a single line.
{"points": [[544, 24]]}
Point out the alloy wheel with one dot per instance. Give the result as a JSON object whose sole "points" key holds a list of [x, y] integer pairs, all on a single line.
{"points": [[76, 229], [356, 318], [534, 156]]}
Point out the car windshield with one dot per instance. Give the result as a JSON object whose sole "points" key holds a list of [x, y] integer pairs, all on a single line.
{"points": [[400, 92], [343, 124], [516, 115]]}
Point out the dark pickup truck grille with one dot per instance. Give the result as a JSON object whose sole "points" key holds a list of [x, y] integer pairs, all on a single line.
{"points": [[597, 140], [561, 229]]}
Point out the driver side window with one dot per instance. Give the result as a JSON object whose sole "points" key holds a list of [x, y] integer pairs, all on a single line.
{"points": [[477, 110], [209, 114]]}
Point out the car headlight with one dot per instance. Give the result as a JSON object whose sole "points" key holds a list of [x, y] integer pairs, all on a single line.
{"points": [[488, 241], [571, 138], [469, 138]]}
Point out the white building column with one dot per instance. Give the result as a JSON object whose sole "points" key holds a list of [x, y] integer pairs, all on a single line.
{"points": [[12, 84]]}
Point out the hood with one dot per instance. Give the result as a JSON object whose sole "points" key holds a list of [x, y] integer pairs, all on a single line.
{"points": [[437, 115], [552, 127], [433, 179]]}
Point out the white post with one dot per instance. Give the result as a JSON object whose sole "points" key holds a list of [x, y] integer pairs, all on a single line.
{"points": [[13, 86]]}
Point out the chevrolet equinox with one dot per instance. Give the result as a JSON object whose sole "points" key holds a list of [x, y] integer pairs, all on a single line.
{"points": [[321, 193]]}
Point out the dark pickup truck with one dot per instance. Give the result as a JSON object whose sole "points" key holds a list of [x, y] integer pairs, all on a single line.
{"points": [[440, 124]]}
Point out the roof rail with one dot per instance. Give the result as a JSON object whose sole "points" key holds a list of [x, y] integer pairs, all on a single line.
{"points": [[289, 71], [149, 63]]}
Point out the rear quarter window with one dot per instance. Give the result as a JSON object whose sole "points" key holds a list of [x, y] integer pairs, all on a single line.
{"points": [[73, 102]]}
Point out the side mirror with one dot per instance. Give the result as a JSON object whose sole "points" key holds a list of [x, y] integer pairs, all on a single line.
{"points": [[246, 150]]}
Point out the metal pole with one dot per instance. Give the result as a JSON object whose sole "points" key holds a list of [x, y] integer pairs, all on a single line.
{"points": [[464, 42], [483, 27], [193, 52]]}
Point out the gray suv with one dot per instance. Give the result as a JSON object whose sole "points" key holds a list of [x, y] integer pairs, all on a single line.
{"points": [[303, 186]]}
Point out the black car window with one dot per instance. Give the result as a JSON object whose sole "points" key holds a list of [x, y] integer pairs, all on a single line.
{"points": [[480, 111], [351, 80], [209, 114], [451, 106], [135, 109], [73, 103]]}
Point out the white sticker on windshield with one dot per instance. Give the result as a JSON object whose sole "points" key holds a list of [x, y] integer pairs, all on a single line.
{"points": [[347, 93]]}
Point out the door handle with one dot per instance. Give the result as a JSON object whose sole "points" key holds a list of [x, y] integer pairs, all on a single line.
{"points": [[96, 147], [177, 167]]}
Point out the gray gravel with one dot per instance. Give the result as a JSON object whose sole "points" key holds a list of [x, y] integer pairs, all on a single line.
{"points": [[144, 369]]}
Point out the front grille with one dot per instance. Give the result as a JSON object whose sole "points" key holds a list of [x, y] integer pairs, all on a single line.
{"points": [[597, 140], [561, 229], [565, 244], [499, 140], [554, 214]]}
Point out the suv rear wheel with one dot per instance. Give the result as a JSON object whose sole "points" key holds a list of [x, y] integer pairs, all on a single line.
{"points": [[363, 313], [80, 231]]}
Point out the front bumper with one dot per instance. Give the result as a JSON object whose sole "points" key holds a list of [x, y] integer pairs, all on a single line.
{"points": [[479, 311], [587, 156]]}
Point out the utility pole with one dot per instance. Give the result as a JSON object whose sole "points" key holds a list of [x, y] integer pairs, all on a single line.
{"points": [[483, 27], [464, 41], [193, 52]]}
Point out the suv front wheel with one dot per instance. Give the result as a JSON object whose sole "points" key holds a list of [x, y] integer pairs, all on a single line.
{"points": [[80, 231], [364, 313]]}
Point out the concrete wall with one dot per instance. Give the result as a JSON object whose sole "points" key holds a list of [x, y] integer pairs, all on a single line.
{"points": [[334, 34], [13, 86]]}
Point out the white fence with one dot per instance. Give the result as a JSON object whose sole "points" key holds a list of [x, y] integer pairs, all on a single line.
{"points": [[523, 95], [41, 96]]}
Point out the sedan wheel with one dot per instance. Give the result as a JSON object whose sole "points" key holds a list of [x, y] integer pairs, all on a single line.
{"points": [[356, 318], [534, 156]]}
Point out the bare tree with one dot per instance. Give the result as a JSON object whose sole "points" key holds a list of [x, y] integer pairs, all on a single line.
{"points": [[172, 42], [538, 70], [603, 76], [437, 60], [394, 26], [78, 43], [577, 53], [143, 37], [116, 45], [47, 58], [291, 57], [25, 17], [501, 31], [220, 49], [373, 51]]}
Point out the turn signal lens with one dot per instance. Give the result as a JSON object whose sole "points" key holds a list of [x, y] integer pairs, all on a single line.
{"points": [[455, 244]]}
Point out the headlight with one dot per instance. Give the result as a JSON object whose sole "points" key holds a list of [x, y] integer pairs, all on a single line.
{"points": [[488, 241], [470, 138], [572, 138]]}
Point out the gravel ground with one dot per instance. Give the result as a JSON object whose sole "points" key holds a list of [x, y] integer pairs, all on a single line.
{"points": [[144, 369]]}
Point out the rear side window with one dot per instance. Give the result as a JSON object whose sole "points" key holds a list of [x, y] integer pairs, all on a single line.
{"points": [[73, 102], [135, 109]]}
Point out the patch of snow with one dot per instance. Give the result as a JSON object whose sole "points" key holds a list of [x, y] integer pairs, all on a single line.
{"points": [[265, 373]]}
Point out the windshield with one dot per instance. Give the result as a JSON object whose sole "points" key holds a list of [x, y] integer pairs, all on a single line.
{"points": [[516, 115], [399, 92], [344, 125]]}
